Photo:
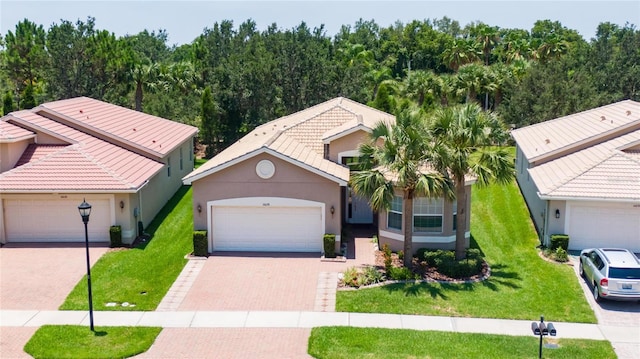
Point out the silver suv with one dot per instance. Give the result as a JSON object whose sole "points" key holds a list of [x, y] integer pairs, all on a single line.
{"points": [[613, 272]]}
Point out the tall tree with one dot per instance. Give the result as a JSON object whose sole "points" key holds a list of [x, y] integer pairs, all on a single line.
{"points": [[399, 163], [465, 137], [209, 125], [25, 56]]}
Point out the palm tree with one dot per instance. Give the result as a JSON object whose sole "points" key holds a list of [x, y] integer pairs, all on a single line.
{"points": [[395, 157], [461, 52], [143, 76], [466, 139]]}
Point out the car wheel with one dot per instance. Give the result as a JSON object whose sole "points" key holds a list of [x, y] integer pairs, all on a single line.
{"points": [[581, 269], [596, 293]]}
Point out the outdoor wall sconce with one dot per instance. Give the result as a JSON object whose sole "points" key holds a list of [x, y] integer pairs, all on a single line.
{"points": [[199, 208], [121, 204], [332, 210], [557, 213]]}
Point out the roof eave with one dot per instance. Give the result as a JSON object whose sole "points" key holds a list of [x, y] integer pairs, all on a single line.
{"points": [[550, 197]]}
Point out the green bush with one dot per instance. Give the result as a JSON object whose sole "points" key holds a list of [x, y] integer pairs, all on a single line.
{"points": [[402, 273], [200, 245], [115, 236], [559, 241], [353, 277], [445, 262], [386, 252], [561, 255], [329, 241]]}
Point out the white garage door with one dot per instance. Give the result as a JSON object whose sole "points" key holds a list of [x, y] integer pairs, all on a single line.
{"points": [[266, 229], [55, 220], [604, 226]]}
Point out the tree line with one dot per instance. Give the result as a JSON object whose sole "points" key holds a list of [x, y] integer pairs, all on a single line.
{"points": [[230, 79]]}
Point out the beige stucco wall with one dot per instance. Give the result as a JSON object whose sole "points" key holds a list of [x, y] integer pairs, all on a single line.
{"points": [[289, 181], [443, 240], [537, 207], [159, 190], [349, 142], [556, 225], [10, 153]]}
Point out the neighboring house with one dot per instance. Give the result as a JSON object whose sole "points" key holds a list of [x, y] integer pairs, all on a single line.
{"points": [[580, 175], [125, 163], [285, 184]]}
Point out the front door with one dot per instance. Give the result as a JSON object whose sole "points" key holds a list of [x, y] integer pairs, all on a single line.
{"points": [[358, 210]]}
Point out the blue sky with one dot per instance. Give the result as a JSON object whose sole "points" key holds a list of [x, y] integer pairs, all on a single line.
{"points": [[185, 20]]}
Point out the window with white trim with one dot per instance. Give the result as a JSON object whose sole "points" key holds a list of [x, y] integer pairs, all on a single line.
{"points": [[168, 166], [427, 214], [191, 149], [394, 216]]}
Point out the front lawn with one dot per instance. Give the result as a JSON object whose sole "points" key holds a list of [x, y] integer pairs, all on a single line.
{"points": [[372, 343], [72, 341], [521, 286], [142, 275]]}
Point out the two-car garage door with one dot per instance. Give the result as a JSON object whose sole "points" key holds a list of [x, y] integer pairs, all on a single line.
{"points": [[55, 220], [604, 225], [267, 225]]}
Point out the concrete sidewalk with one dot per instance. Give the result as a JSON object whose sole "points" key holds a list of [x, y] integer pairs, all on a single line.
{"points": [[303, 319]]}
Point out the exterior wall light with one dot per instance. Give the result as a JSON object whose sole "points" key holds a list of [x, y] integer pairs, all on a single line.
{"points": [[121, 204], [557, 213], [332, 210], [199, 208]]}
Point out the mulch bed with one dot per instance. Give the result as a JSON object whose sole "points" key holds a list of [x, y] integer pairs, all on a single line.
{"points": [[429, 273]]}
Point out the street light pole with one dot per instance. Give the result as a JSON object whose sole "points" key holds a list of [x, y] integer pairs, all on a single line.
{"points": [[85, 210]]}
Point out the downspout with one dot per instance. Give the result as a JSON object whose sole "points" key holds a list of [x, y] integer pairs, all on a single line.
{"points": [[140, 208], [545, 226]]}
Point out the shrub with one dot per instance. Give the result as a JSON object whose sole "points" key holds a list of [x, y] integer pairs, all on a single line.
{"points": [[401, 255], [561, 255], [200, 245], [445, 262], [559, 241], [402, 273], [353, 277], [115, 236], [329, 241], [386, 252]]}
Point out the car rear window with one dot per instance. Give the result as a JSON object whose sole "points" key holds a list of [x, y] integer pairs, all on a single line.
{"points": [[624, 273]]}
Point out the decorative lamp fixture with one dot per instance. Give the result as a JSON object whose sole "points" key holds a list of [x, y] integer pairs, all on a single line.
{"points": [[332, 210], [121, 204], [85, 210], [199, 208], [557, 213]]}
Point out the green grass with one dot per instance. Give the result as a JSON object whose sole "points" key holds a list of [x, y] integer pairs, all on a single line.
{"points": [[199, 162], [142, 275], [522, 285], [371, 343], [72, 341]]}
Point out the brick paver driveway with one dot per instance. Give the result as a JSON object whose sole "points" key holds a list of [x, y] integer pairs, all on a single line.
{"points": [[40, 276], [258, 281]]}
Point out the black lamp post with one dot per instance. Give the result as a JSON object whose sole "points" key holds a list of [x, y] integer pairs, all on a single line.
{"points": [[85, 210]]}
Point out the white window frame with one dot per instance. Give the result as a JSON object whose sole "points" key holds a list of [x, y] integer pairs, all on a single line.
{"points": [[168, 166], [395, 211], [428, 207], [181, 167], [454, 210]]}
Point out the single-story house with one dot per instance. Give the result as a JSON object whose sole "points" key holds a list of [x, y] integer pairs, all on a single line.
{"points": [[125, 163], [286, 184], [580, 176]]}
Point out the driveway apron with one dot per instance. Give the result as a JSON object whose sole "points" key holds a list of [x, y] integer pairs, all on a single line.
{"points": [[40, 276]]}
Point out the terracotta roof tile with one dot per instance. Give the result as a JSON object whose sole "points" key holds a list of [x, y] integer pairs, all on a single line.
{"points": [[542, 139], [87, 162], [299, 136], [157, 135], [12, 133]]}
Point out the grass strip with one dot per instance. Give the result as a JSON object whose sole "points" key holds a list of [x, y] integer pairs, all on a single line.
{"points": [[73, 341], [373, 343]]}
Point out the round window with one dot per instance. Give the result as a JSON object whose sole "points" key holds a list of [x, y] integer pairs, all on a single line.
{"points": [[265, 169]]}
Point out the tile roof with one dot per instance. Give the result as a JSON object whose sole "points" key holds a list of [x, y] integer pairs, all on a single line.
{"points": [[155, 135], [550, 137], [91, 159], [605, 167], [12, 133], [299, 137]]}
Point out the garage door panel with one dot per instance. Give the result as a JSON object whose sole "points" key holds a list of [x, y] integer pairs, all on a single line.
{"points": [[274, 229], [55, 221], [602, 226]]}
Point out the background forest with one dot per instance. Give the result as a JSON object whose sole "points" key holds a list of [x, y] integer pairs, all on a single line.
{"points": [[231, 79]]}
